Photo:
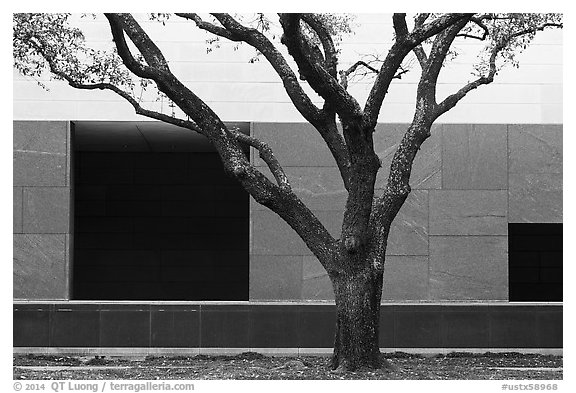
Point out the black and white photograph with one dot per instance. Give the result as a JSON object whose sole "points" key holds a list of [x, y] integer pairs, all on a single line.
{"points": [[287, 196]]}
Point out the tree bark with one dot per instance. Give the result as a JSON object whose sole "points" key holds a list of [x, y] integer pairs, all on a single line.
{"points": [[357, 296]]}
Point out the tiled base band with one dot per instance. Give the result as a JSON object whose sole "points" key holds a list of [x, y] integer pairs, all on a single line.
{"points": [[284, 327]]}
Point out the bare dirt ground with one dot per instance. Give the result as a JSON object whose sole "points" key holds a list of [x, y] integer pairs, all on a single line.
{"points": [[254, 366]]}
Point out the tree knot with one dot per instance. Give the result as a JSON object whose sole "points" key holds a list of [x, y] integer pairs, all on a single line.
{"points": [[239, 172], [351, 243]]}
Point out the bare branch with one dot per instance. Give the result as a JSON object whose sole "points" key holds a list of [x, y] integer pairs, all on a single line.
{"points": [[330, 54], [317, 76], [152, 54], [421, 55], [237, 32], [426, 92], [344, 74], [451, 101], [137, 107], [209, 27], [478, 22], [139, 69], [400, 27], [420, 19], [267, 155], [320, 119], [418, 49], [395, 57]]}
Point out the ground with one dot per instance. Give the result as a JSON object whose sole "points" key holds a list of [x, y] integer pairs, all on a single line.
{"points": [[252, 365]]}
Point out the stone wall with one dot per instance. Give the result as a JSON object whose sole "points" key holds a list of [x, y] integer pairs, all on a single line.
{"points": [[42, 209], [449, 241]]}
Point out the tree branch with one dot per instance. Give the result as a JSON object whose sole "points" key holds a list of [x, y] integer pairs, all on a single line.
{"points": [[344, 74], [420, 19], [311, 69], [418, 49], [209, 27], [478, 22], [426, 92], [400, 26], [151, 53], [421, 55], [330, 53], [403, 45], [451, 101], [267, 155], [234, 31], [320, 119], [139, 69]]}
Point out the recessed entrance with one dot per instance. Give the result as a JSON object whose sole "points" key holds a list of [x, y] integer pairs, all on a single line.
{"points": [[156, 217]]}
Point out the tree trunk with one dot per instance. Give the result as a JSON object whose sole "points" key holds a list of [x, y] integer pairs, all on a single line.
{"points": [[357, 297]]}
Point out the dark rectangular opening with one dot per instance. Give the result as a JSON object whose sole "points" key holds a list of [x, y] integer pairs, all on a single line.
{"points": [[158, 225], [535, 262]]}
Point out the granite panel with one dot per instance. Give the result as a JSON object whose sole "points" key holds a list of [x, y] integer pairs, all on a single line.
{"points": [[132, 192], [474, 157], [272, 236], [125, 326], [173, 326], [40, 136], [316, 284], [417, 329], [105, 160], [39, 169], [46, 210], [275, 277], [89, 208], [535, 148], [293, 144], [274, 327], [549, 328], [31, 325], [39, 266], [535, 198], [513, 329], [162, 160], [468, 267], [462, 212], [465, 329], [105, 224], [405, 278], [317, 325], [225, 326], [386, 332], [320, 188], [75, 326], [17, 209], [104, 175], [409, 231], [426, 173]]}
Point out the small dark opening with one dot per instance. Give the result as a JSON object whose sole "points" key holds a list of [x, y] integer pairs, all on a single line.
{"points": [[157, 225], [535, 262]]}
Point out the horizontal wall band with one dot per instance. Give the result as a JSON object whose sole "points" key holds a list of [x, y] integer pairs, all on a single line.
{"points": [[503, 303], [139, 352], [243, 326]]}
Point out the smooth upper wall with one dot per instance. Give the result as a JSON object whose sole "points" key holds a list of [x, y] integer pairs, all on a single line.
{"points": [[241, 91]]}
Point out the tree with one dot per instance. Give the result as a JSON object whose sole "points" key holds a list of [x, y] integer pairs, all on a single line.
{"points": [[355, 261]]}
